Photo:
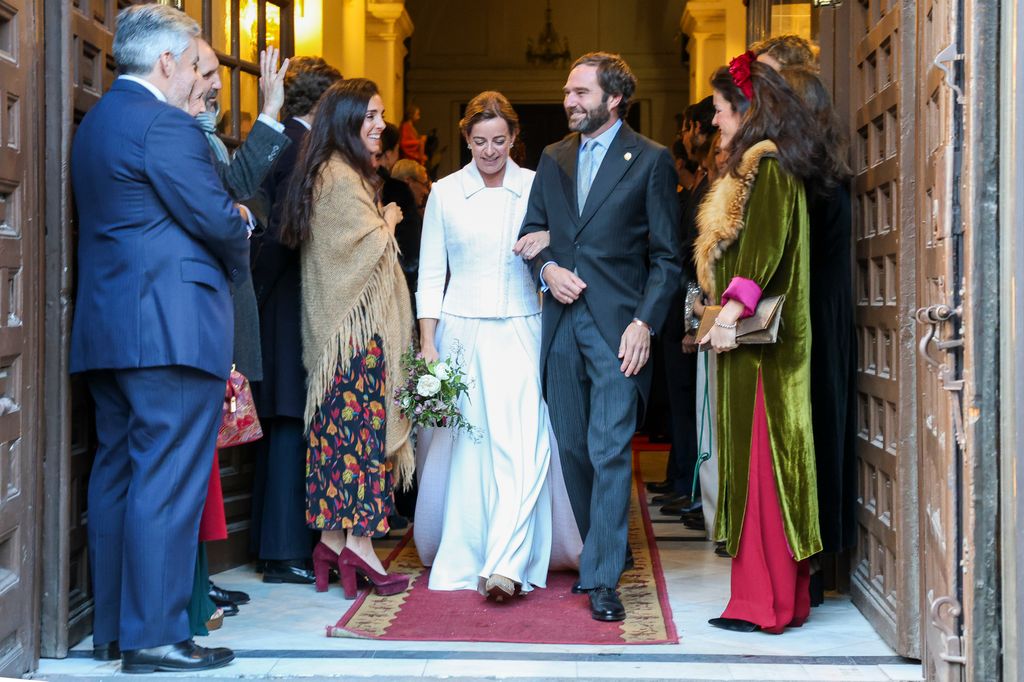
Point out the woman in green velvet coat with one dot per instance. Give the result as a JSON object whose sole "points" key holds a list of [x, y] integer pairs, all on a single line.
{"points": [[754, 243]]}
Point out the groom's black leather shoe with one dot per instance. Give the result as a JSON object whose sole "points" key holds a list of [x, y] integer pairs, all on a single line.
{"points": [[106, 652], [285, 571], [606, 605], [184, 656], [577, 588]]}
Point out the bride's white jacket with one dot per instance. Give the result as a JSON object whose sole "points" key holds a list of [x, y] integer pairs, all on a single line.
{"points": [[471, 229]]}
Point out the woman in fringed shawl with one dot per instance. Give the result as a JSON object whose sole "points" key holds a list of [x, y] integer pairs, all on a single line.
{"points": [[356, 322], [753, 243]]}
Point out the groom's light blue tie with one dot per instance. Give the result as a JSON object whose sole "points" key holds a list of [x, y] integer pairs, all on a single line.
{"points": [[585, 173]]}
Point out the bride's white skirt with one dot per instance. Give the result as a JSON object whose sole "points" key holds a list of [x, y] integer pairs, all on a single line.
{"points": [[499, 504]]}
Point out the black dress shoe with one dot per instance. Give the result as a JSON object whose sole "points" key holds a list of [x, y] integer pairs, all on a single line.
{"points": [[398, 522], [682, 505], [694, 524], [577, 588], [229, 609], [670, 497], [606, 605], [287, 571], [222, 597], [106, 652], [734, 624], [184, 656], [721, 551], [692, 516], [660, 488]]}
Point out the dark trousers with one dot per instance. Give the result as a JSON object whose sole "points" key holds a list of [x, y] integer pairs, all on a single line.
{"points": [[681, 378], [278, 530], [157, 429], [593, 412]]}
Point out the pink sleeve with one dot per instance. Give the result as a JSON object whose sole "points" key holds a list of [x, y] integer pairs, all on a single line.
{"points": [[746, 291]]}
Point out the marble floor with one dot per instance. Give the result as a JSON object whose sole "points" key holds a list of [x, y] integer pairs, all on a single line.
{"points": [[280, 635]]}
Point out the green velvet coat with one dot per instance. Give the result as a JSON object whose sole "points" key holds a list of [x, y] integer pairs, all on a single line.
{"points": [[756, 227]]}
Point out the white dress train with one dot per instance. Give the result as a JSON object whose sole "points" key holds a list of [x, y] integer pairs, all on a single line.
{"points": [[495, 504]]}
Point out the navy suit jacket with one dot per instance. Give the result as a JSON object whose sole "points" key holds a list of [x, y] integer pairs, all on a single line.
{"points": [[159, 238]]}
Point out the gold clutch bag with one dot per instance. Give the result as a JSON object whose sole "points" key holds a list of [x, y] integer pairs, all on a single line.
{"points": [[761, 327]]}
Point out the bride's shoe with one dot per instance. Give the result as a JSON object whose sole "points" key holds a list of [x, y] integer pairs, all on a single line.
{"points": [[351, 566], [499, 587]]}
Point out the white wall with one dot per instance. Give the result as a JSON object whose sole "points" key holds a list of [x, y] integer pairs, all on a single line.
{"points": [[462, 47]]}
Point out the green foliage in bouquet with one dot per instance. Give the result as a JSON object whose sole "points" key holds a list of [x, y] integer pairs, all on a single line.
{"points": [[429, 398]]}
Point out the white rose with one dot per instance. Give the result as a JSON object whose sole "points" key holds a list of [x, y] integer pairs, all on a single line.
{"points": [[428, 385], [406, 401], [441, 371]]}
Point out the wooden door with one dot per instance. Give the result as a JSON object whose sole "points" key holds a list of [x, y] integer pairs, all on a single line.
{"points": [[21, 231], [939, 244], [79, 68], [884, 578]]}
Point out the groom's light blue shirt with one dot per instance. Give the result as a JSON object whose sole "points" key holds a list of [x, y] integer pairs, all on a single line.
{"points": [[598, 150]]}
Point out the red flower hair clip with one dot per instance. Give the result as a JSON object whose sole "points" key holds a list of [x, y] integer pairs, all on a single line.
{"points": [[739, 69]]}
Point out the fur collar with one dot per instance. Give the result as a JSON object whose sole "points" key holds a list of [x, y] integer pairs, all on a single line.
{"points": [[720, 218]]}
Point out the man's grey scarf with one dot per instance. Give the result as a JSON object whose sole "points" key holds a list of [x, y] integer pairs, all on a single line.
{"points": [[208, 122]]}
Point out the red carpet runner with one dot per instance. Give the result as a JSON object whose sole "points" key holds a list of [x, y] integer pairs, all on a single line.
{"points": [[545, 616]]}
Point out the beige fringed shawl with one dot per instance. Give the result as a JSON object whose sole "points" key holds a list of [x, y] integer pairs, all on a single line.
{"points": [[721, 215], [352, 288]]}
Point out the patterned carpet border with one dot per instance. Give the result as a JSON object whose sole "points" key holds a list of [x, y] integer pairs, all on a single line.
{"points": [[649, 615]]}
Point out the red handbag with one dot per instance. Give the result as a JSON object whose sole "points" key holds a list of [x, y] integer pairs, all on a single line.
{"points": [[239, 424]]}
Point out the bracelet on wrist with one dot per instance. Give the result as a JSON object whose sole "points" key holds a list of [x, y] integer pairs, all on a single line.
{"points": [[725, 326]]}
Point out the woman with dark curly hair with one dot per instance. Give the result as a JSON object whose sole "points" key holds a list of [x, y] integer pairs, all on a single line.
{"points": [[278, 535], [356, 322], [754, 243], [834, 351]]}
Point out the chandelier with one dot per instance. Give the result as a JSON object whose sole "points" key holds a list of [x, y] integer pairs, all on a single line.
{"points": [[550, 49]]}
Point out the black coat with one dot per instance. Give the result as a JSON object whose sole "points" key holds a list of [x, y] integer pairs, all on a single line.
{"points": [[624, 245], [276, 277], [833, 365], [407, 232], [249, 167]]}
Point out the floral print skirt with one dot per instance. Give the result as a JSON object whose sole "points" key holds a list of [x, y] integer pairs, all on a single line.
{"points": [[349, 481]]}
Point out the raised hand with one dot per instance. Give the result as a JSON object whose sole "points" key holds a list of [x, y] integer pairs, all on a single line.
{"points": [[272, 81]]}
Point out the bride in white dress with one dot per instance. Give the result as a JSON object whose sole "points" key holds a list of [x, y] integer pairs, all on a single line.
{"points": [[492, 514]]}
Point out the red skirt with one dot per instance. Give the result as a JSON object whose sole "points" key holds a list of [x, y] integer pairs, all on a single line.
{"points": [[769, 587], [213, 525]]}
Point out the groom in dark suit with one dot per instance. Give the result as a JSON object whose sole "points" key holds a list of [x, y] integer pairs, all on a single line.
{"points": [[159, 240], [607, 195]]}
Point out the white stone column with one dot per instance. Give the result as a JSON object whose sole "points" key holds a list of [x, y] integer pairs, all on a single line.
{"points": [[352, 37], [388, 25]]}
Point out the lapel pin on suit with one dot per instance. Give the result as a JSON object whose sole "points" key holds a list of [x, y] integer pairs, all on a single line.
{"points": [[627, 156]]}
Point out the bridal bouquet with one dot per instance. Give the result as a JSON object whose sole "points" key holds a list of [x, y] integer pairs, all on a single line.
{"points": [[430, 395]]}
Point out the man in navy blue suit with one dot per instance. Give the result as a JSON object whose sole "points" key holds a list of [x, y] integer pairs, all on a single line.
{"points": [[159, 241]]}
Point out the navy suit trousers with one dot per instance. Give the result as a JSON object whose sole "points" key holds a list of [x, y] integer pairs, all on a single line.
{"points": [[157, 430], [593, 413]]}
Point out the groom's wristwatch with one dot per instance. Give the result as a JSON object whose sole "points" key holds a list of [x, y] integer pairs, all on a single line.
{"points": [[640, 323]]}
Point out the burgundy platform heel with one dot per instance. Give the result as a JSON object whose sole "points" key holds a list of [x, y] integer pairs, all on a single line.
{"points": [[324, 559], [352, 566]]}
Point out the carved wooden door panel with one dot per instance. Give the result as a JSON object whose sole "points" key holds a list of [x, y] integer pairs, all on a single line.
{"points": [[939, 361], [884, 586], [21, 231], [80, 68]]}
